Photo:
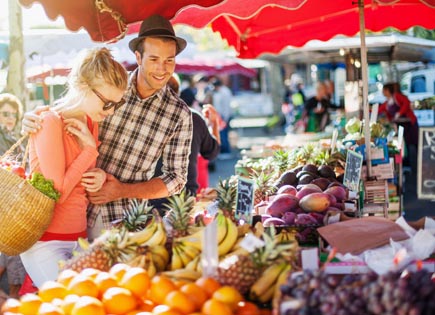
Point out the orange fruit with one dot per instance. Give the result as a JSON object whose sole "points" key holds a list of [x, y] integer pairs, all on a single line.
{"points": [[247, 308], [30, 304], [68, 302], [104, 281], [11, 305], [179, 301], [118, 301], [160, 287], [195, 293], [180, 283], [139, 312], [87, 305], [209, 285], [137, 281], [49, 309], [228, 295], [146, 306], [119, 270], [90, 272], [51, 290], [165, 310], [214, 307], [83, 286], [65, 276]]}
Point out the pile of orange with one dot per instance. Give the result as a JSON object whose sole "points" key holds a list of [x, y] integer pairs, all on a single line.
{"points": [[126, 290]]}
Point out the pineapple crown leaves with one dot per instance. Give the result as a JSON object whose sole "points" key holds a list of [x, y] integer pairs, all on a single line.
{"points": [[227, 194], [272, 250], [264, 182], [184, 200], [136, 218]]}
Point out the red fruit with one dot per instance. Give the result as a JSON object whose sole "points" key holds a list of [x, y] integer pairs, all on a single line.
{"points": [[18, 170]]}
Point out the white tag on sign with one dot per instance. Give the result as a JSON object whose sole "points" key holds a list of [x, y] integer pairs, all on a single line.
{"points": [[400, 138], [210, 257], [250, 242], [374, 115], [310, 259]]}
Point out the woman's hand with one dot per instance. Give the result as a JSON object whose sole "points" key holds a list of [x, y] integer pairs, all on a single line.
{"points": [[32, 120], [94, 179], [81, 131]]}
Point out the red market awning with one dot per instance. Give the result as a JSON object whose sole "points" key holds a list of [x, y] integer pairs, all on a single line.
{"points": [[41, 76], [107, 20], [256, 27], [213, 67]]}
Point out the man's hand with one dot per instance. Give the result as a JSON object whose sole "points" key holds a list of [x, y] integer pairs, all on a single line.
{"points": [[32, 120], [109, 192]]}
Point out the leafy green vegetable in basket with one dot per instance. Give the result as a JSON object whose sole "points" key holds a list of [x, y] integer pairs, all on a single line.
{"points": [[46, 186]]}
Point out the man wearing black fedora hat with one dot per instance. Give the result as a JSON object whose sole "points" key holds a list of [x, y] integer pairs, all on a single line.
{"points": [[153, 123]]}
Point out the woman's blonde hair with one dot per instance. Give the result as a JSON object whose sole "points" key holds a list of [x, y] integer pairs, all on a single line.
{"points": [[96, 67]]}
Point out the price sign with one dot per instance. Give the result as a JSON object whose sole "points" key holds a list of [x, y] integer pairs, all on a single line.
{"points": [[245, 199], [352, 172], [426, 164]]}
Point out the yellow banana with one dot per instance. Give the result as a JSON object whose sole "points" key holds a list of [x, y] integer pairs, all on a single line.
{"points": [[282, 279], [239, 251], [183, 256], [159, 262], [161, 251], [267, 296], [151, 270], [193, 264], [268, 279], [190, 251], [176, 262], [195, 240], [143, 236], [159, 237], [230, 239]]}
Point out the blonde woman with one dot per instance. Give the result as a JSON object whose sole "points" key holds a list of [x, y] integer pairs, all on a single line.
{"points": [[65, 151]]}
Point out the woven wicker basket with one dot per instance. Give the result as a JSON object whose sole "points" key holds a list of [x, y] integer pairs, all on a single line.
{"points": [[25, 212]]}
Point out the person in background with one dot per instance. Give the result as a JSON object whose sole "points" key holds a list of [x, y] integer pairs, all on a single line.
{"points": [[222, 97], [153, 123], [398, 110], [10, 112], [316, 110], [64, 150], [204, 143]]}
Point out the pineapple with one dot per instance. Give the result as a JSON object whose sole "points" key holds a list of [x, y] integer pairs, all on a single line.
{"points": [[137, 217], [103, 253], [179, 214], [227, 194], [241, 271], [281, 159], [263, 186]]}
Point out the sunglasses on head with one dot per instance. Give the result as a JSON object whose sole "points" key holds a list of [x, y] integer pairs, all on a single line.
{"points": [[108, 104], [9, 115]]}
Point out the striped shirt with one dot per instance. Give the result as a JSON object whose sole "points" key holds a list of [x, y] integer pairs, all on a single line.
{"points": [[136, 136]]}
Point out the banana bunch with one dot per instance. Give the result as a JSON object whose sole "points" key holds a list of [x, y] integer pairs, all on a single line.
{"points": [[160, 257], [153, 234], [182, 255], [182, 275], [144, 261], [187, 248], [263, 290], [285, 236]]}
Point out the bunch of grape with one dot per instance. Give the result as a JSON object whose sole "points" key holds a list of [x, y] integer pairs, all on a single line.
{"points": [[392, 294]]}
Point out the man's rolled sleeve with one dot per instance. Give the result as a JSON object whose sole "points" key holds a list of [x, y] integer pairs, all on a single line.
{"points": [[176, 155]]}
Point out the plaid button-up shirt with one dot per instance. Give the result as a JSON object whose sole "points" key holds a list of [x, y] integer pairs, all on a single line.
{"points": [[136, 136]]}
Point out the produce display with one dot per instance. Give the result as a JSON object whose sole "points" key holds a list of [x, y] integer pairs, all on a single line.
{"points": [[395, 293]]}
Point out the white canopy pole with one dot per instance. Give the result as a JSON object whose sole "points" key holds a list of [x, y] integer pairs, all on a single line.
{"points": [[365, 81]]}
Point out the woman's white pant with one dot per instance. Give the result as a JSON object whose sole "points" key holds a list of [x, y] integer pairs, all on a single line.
{"points": [[41, 261]]}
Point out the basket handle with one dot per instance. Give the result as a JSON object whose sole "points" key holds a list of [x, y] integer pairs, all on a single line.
{"points": [[14, 146]]}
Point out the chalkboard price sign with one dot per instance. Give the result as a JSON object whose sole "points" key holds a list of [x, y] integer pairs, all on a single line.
{"points": [[245, 200], [352, 172], [426, 164]]}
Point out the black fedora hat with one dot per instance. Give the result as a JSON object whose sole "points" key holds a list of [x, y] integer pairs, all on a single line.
{"points": [[157, 26]]}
